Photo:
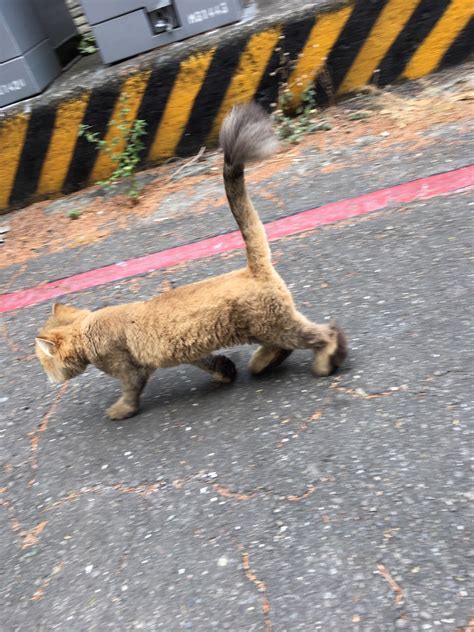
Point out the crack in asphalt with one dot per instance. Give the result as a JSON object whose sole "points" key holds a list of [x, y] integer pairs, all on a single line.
{"points": [[228, 493], [39, 592], [42, 427], [385, 573], [147, 489], [142, 489], [360, 393], [260, 585], [27, 537], [311, 489], [11, 344]]}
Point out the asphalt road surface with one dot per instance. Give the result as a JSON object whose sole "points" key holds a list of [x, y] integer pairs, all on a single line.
{"points": [[283, 503]]}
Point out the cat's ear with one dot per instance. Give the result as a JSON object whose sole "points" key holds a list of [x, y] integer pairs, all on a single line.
{"points": [[59, 310], [67, 312], [48, 347]]}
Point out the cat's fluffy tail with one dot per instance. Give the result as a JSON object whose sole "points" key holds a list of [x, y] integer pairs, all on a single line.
{"points": [[246, 136]]}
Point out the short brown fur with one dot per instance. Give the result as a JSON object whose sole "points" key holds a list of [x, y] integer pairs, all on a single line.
{"points": [[187, 324]]}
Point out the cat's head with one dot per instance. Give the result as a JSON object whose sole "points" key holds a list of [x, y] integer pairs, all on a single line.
{"points": [[58, 345]]}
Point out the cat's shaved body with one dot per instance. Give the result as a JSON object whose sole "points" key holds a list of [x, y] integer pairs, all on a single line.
{"points": [[187, 324]]}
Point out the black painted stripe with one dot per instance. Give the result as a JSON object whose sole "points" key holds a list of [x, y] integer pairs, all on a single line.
{"points": [[418, 27], [462, 47], [154, 101], [294, 37], [347, 47], [209, 99], [35, 147], [97, 115]]}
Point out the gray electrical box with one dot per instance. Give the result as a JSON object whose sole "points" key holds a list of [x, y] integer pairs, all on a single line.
{"points": [[124, 28], [27, 59], [59, 27]]}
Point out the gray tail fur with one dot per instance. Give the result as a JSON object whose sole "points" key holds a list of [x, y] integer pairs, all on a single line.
{"points": [[247, 136]]}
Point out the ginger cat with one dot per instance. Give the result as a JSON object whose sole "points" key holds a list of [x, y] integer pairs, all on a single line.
{"points": [[187, 324]]}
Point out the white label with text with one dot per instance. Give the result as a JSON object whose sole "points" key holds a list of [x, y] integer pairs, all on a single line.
{"points": [[207, 14]]}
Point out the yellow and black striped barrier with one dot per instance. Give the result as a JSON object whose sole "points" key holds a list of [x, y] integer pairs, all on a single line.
{"points": [[184, 99]]}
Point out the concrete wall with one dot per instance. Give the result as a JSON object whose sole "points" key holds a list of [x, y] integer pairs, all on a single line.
{"points": [[78, 16]]}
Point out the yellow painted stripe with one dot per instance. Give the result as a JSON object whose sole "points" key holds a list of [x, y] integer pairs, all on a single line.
{"points": [[191, 75], [62, 144], [322, 38], [248, 75], [12, 137], [124, 114], [430, 53], [384, 32]]}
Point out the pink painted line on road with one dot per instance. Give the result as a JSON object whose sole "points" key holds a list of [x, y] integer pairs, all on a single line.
{"points": [[422, 189]]}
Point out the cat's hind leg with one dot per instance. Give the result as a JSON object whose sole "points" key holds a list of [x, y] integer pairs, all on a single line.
{"points": [[327, 342], [332, 356], [220, 367], [267, 357]]}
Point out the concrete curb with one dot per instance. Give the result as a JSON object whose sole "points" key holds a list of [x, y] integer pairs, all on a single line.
{"points": [[183, 91]]}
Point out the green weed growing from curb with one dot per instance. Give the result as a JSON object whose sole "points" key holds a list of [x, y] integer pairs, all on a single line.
{"points": [[294, 123], [124, 149], [87, 45], [294, 118]]}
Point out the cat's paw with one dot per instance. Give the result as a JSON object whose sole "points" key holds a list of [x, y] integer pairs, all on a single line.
{"points": [[120, 410], [331, 356], [267, 358], [225, 370], [341, 352]]}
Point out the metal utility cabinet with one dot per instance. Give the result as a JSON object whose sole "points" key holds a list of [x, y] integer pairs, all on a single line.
{"points": [[27, 60], [37, 37], [124, 28], [59, 27]]}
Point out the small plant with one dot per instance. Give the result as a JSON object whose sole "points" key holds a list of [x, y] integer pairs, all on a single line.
{"points": [[359, 116], [124, 149], [87, 45], [74, 214], [294, 123], [295, 117]]}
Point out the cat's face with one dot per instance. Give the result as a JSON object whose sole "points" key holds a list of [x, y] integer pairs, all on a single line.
{"points": [[57, 345]]}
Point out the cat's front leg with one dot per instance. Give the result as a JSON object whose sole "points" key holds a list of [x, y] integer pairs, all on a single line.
{"points": [[220, 367], [133, 381], [122, 409]]}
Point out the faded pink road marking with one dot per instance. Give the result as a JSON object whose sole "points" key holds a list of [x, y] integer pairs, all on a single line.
{"points": [[422, 189]]}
